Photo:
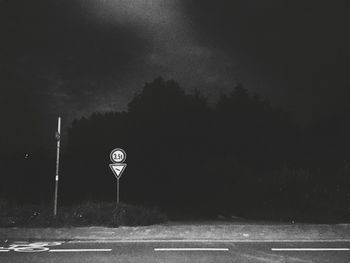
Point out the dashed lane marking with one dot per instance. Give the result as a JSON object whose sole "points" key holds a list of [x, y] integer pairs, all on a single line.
{"points": [[81, 250], [310, 249], [191, 249]]}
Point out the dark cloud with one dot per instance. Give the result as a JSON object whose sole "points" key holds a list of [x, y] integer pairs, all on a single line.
{"points": [[73, 57], [54, 57], [64, 36], [298, 48]]}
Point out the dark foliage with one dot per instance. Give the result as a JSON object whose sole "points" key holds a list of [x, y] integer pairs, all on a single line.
{"points": [[184, 155]]}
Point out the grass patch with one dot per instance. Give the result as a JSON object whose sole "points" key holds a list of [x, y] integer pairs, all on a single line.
{"points": [[86, 214]]}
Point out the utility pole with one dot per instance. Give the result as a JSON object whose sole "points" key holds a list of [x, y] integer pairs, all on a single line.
{"points": [[58, 138]]}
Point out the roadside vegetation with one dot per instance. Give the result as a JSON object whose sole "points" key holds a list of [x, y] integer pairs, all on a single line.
{"points": [[241, 156], [85, 214]]}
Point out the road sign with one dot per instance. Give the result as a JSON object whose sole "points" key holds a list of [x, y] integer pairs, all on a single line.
{"points": [[117, 169], [118, 155]]}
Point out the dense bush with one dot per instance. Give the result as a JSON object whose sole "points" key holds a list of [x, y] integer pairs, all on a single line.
{"points": [[86, 214]]}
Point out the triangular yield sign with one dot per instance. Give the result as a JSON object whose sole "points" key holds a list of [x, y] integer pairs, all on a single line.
{"points": [[117, 169]]}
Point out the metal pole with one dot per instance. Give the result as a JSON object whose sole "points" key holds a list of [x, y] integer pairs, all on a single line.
{"points": [[58, 134], [117, 191]]}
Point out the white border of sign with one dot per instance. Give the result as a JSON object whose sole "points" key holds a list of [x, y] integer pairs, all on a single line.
{"points": [[113, 151], [123, 165]]}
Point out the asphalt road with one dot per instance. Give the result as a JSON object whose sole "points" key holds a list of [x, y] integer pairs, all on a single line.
{"points": [[167, 251]]}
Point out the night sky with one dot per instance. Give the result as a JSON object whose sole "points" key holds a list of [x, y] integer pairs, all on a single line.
{"points": [[75, 57]]}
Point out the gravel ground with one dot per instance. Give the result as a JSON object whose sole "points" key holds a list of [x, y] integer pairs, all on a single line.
{"points": [[188, 231]]}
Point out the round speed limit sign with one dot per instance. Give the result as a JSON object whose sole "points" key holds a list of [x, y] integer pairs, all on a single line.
{"points": [[118, 155]]}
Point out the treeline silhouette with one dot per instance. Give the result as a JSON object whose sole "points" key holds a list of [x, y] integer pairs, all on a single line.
{"points": [[186, 155]]}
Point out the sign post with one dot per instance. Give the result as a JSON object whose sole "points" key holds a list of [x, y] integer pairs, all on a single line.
{"points": [[117, 156], [117, 191], [58, 138]]}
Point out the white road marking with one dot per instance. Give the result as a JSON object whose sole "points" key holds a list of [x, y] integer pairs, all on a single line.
{"points": [[209, 241], [22, 246], [31, 249], [191, 249], [310, 249], [81, 250]]}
